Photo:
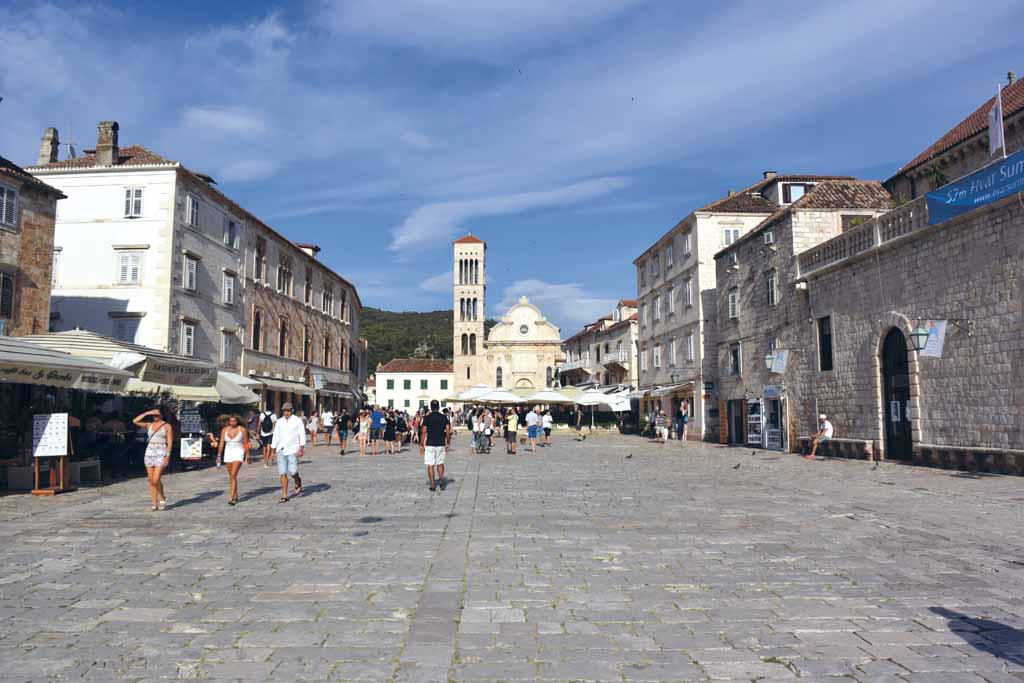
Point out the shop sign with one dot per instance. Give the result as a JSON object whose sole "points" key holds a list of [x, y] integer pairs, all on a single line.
{"points": [[64, 378], [709, 387], [982, 187], [319, 382], [191, 422], [936, 338], [192, 448], [780, 358], [50, 435], [772, 391], [160, 371]]}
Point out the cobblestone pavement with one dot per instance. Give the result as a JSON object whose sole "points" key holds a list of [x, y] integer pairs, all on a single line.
{"points": [[578, 563]]}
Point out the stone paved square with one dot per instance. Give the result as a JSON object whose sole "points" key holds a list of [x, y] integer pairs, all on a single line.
{"points": [[577, 563]]}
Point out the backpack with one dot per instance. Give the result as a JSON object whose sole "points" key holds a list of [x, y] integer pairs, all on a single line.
{"points": [[266, 424]]}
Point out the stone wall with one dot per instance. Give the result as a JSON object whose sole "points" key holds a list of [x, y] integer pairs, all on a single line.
{"points": [[970, 268], [27, 253]]}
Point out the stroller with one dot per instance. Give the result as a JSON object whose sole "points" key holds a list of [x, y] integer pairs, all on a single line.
{"points": [[483, 441]]}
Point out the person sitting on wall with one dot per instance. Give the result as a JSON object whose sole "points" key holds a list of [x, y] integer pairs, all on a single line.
{"points": [[824, 434]]}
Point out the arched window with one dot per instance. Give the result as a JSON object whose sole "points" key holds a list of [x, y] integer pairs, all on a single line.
{"points": [[497, 378], [282, 338], [462, 309], [474, 310], [472, 344], [465, 344], [462, 275], [550, 376]]}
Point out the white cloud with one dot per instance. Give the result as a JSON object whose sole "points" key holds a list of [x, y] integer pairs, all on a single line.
{"points": [[206, 121], [568, 305], [453, 26], [441, 282], [416, 139], [247, 170], [440, 222]]}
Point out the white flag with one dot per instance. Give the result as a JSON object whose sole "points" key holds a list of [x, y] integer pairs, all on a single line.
{"points": [[995, 125]]}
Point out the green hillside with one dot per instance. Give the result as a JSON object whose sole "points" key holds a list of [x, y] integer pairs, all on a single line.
{"points": [[407, 334]]}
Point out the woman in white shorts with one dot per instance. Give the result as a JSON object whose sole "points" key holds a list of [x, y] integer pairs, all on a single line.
{"points": [[233, 449]]}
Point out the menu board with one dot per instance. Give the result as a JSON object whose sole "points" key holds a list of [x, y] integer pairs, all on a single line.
{"points": [[192, 448], [50, 435], [191, 422]]}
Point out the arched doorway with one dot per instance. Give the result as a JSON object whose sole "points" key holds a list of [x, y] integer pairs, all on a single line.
{"points": [[896, 396]]}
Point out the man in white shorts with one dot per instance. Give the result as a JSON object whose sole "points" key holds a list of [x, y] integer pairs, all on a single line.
{"points": [[327, 419], [435, 438]]}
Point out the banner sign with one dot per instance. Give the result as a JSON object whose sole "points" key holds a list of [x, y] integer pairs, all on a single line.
{"points": [[50, 435], [780, 358], [160, 371], [936, 338], [319, 382], [982, 187], [65, 378]]}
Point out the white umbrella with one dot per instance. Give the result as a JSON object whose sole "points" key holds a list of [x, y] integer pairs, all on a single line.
{"points": [[547, 397], [499, 396], [593, 397], [474, 392]]}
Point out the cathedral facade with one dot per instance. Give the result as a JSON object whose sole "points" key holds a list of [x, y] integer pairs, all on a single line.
{"points": [[520, 352]]}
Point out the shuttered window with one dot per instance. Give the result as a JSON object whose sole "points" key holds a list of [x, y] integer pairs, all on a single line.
{"points": [[129, 267], [8, 206], [227, 347], [190, 273], [125, 329], [6, 295], [188, 339], [229, 288], [230, 233], [132, 202], [191, 211]]}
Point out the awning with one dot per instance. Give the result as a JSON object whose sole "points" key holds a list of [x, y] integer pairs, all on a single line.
{"points": [[247, 382], [639, 395], [22, 362], [149, 365], [670, 389], [282, 385], [225, 390]]}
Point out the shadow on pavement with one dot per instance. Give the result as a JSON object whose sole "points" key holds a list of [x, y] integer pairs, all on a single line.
{"points": [[314, 488], [198, 498], [990, 637], [370, 520], [256, 493]]}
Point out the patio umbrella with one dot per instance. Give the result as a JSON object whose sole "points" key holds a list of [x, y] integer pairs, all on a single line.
{"points": [[474, 392], [593, 397], [499, 396], [548, 397]]}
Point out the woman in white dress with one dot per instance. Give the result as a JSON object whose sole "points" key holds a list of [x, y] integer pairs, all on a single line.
{"points": [[313, 426], [233, 449]]}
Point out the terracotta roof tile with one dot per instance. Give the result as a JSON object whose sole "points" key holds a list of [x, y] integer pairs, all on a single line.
{"points": [[469, 239], [629, 303], [416, 365], [132, 155], [976, 122], [8, 167]]}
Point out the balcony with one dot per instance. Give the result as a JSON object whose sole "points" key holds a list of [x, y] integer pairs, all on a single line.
{"points": [[620, 357], [578, 364]]}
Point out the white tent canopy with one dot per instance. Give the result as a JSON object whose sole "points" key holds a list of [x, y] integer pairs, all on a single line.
{"points": [[473, 392], [548, 397], [499, 396]]}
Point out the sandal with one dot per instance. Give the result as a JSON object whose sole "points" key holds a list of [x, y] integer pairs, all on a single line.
{"points": [[154, 509], [163, 504], [232, 501], [283, 500]]}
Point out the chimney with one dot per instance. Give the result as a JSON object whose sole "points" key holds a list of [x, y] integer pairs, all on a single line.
{"points": [[768, 175], [49, 147], [731, 193], [106, 144], [1010, 78]]}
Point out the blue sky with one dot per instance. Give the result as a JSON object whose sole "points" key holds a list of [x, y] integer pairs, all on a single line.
{"points": [[568, 135]]}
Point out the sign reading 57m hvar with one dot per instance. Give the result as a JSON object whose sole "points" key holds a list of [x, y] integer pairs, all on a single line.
{"points": [[982, 187]]}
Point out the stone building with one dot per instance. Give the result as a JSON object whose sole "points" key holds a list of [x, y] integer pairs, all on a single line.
{"points": [[28, 209], [520, 352], [604, 352], [762, 309], [151, 252], [960, 405], [678, 350]]}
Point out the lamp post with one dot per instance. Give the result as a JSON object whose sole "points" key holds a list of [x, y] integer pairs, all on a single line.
{"points": [[919, 337]]}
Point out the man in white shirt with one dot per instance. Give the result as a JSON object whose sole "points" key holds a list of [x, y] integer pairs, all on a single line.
{"points": [[532, 418], [289, 444], [824, 434], [327, 417]]}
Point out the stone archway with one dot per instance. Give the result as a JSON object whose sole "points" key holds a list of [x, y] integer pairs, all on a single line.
{"points": [[524, 384], [888, 321]]}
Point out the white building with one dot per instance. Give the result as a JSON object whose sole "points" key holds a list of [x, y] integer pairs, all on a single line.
{"points": [[412, 383]]}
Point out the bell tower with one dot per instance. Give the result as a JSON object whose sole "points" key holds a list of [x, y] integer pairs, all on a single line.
{"points": [[470, 288]]}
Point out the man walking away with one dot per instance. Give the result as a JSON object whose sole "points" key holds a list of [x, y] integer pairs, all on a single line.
{"points": [[824, 434], [343, 423], [435, 438], [376, 427], [267, 421], [532, 418], [289, 444], [580, 436], [327, 418], [661, 427]]}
